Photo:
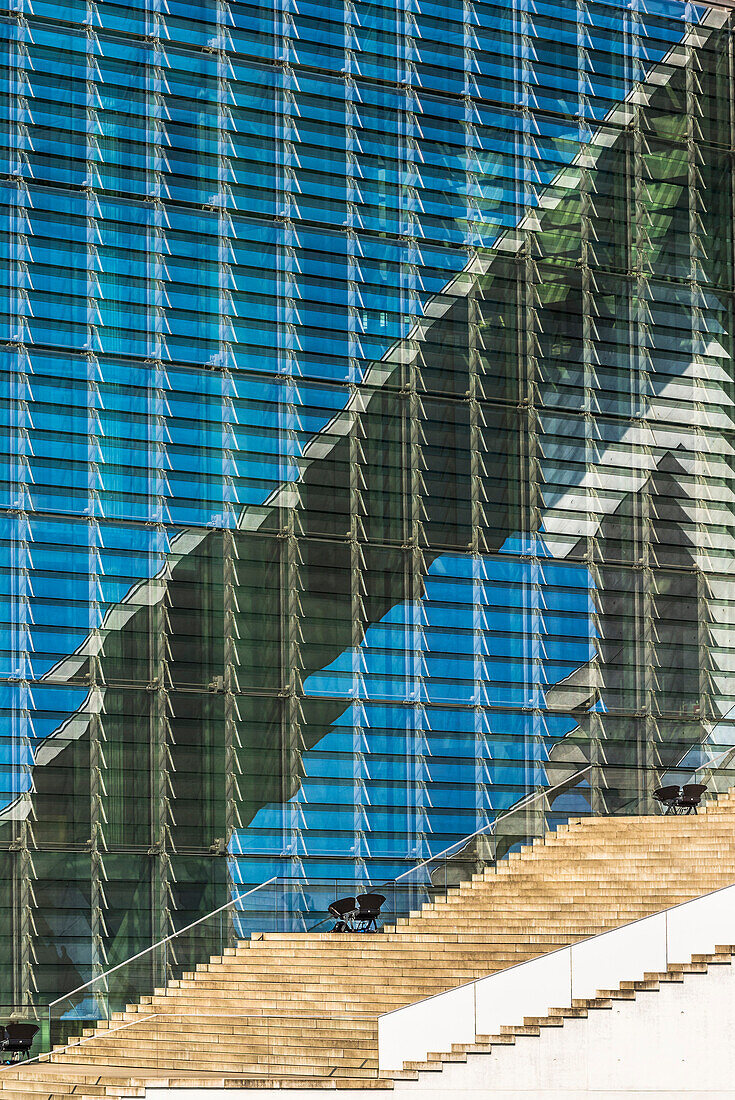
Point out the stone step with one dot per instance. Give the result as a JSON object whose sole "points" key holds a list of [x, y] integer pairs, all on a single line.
{"points": [[149, 1052], [321, 978], [304, 1067], [280, 1008], [203, 1043]]}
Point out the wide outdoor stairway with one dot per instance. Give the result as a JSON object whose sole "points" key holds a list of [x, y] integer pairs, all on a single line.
{"points": [[302, 1009]]}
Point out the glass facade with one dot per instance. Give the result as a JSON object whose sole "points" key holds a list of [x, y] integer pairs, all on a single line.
{"points": [[368, 440]]}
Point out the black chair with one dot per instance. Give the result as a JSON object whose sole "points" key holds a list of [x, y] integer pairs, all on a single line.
{"points": [[17, 1040], [668, 797], [366, 918], [343, 910], [691, 796]]}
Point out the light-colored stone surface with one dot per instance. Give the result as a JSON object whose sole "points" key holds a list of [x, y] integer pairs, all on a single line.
{"points": [[302, 1009], [672, 1039], [668, 1036]]}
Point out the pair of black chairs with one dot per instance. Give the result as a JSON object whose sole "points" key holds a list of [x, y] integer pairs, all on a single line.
{"points": [[16, 1039], [358, 914], [680, 800]]}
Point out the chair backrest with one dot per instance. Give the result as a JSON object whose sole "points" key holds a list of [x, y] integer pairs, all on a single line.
{"points": [[20, 1036], [342, 906], [370, 903], [692, 792], [667, 794]]}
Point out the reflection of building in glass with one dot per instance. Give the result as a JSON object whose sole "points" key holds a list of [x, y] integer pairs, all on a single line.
{"points": [[369, 436]]}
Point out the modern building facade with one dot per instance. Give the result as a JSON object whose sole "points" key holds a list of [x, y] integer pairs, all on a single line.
{"points": [[368, 441]]}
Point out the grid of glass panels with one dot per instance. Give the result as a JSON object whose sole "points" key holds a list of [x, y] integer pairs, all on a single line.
{"points": [[368, 440]]}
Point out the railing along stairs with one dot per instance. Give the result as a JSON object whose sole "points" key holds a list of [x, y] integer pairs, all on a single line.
{"points": [[291, 905]]}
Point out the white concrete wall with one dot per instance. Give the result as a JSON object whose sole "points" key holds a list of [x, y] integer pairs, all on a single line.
{"points": [[676, 1043], [554, 980]]}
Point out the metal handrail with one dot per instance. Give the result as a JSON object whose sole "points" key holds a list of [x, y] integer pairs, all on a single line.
{"points": [[570, 782], [522, 804], [455, 848], [491, 826], [160, 943], [721, 759], [45, 1056]]}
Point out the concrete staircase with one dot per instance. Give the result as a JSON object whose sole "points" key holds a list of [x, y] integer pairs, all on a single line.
{"points": [[678, 1047], [287, 1010]]}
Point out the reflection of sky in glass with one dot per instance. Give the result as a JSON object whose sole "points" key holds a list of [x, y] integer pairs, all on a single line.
{"points": [[490, 632], [185, 446]]}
